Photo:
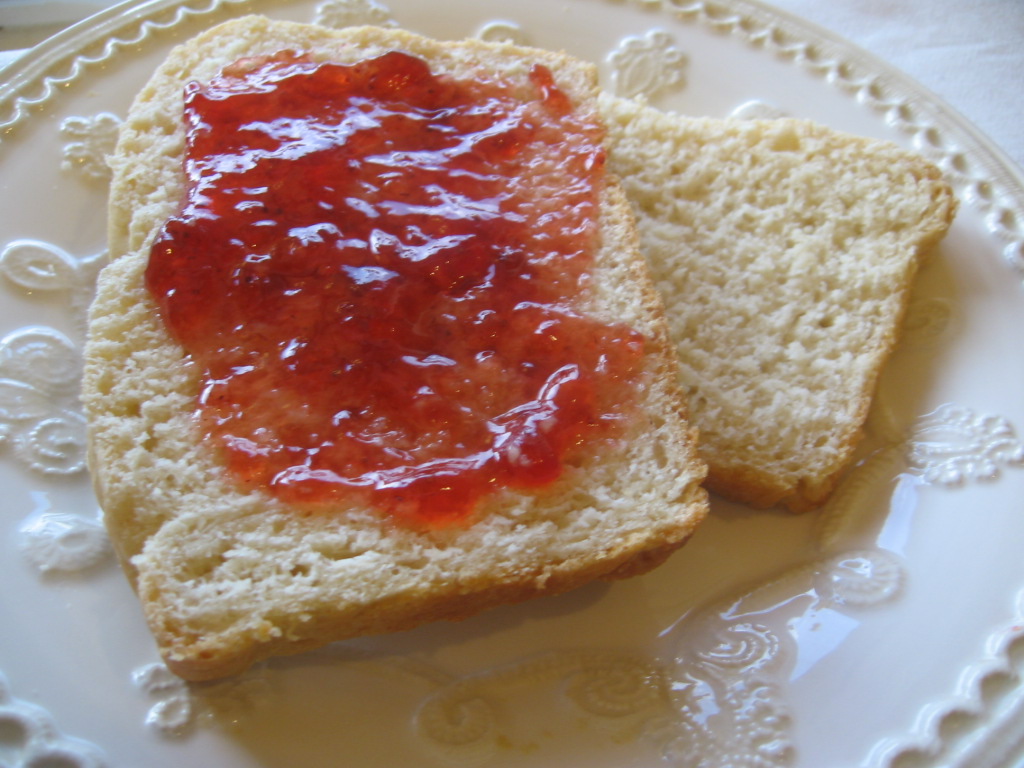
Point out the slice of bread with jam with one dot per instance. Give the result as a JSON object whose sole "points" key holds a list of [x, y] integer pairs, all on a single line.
{"points": [[247, 516]]}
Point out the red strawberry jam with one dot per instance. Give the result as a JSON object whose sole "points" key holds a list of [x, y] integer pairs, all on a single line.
{"points": [[378, 271]]}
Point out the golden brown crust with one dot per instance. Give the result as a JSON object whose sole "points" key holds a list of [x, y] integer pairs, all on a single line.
{"points": [[207, 658]]}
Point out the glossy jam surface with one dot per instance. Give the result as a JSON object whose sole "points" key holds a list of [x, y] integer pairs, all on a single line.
{"points": [[377, 269]]}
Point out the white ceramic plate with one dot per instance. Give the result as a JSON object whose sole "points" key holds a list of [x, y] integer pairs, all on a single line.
{"points": [[885, 630]]}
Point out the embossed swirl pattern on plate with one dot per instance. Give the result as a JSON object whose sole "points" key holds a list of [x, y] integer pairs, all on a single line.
{"points": [[29, 737]]}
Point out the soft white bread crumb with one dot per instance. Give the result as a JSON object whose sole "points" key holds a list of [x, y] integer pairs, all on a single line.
{"points": [[784, 252], [228, 577]]}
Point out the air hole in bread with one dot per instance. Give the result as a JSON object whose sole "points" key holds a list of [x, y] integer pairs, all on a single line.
{"points": [[583, 500], [786, 141], [129, 409], [202, 566], [333, 551], [660, 456]]}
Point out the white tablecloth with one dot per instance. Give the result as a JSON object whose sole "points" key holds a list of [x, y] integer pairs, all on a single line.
{"points": [[970, 53]]}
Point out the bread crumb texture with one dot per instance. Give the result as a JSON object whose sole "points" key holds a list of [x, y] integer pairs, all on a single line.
{"points": [[785, 253]]}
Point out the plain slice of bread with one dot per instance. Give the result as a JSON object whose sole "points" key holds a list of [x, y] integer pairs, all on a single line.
{"points": [[226, 577], [785, 253]]}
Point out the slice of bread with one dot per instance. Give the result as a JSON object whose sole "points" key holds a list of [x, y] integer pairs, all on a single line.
{"points": [[229, 576], [784, 252]]}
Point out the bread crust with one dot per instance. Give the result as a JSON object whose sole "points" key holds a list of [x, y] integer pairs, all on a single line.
{"points": [[227, 577]]}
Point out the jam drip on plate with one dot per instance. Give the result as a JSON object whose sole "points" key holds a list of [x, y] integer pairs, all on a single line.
{"points": [[378, 270]]}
